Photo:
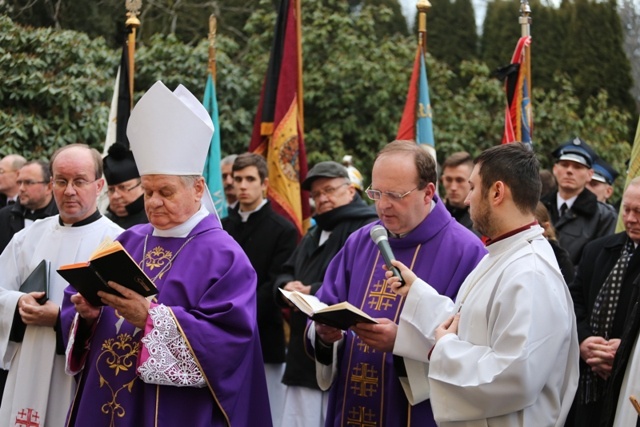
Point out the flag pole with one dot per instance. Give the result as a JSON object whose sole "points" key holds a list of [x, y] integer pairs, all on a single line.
{"points": [[213, 27], [132, 23], [525, 26], [423, 7], [300, 83]]}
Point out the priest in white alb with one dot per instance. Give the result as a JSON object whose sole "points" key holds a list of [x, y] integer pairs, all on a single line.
{"points": [[38, 392], [505, 352]]}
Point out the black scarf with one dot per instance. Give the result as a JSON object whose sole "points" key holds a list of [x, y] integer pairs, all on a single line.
{"points": [[356, 209]]}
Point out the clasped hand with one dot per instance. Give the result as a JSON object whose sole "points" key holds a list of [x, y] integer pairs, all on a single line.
{"points": [[32, 313], [599, 353]]}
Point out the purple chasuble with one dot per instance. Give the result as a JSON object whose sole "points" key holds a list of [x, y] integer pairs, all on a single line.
{"points": [[367, 391], [209, 288]]}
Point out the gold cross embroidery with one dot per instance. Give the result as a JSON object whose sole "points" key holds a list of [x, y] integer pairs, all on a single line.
{"points": [[381, 297], [364, 380], [361, 417]]}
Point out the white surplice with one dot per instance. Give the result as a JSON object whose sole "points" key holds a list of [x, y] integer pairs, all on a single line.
{"points": [[514, 361], [37, 388], [626, 415]]}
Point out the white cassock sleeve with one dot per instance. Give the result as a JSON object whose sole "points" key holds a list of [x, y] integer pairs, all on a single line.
{"points": [[9, 296], [424, 310], [325, 374]]}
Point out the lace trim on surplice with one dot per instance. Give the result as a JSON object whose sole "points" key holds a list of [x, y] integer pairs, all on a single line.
{"points": [[170, 362]]}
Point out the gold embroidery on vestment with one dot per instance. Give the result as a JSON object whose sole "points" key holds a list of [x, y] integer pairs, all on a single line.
{"points": [[364, 380], [359, 416], [119, 355]]}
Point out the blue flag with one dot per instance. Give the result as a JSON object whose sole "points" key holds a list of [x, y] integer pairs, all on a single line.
{"points": [[417, 123], [212, 170], [424, 122]]}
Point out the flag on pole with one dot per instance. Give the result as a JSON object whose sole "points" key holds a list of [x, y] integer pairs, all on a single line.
{"points": [[518, 117], [120, 105], [416, 123], [118, 115], [212, 169], [278, 127]]}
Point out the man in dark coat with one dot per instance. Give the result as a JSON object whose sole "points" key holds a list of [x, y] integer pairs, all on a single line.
{"points": [[576, 213], [339, 212], [456, 170], [602, 295], [9, 167], [35, 201], [126, 201], [268, 239]]}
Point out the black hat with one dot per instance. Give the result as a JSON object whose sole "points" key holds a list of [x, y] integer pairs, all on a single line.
{"points": [[324, 170], [575, 150], [604, 172], [119, 165]]}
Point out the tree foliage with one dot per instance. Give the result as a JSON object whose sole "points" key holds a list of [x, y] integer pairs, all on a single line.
{"points": [[595, 58], [451, 32], [57, 88]]}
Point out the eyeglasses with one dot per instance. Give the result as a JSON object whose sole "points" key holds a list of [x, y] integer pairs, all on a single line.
{"points": [[29, 182], [3, 171], [327, 191], [78, 184], [120, 188], [377, 194]]}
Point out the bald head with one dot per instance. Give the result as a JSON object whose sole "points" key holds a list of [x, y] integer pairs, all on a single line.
{"points": [[9, 167]]}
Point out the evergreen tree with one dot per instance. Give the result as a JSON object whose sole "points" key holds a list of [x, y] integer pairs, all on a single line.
{"points": [[464, 34], [595, 58], [440, 26], [500, 34], [548, 44]]}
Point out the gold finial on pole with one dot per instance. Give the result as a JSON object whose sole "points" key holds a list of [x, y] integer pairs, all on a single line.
{"points": [[133, 23], [213, 28], [525, 18], [423, 7]]}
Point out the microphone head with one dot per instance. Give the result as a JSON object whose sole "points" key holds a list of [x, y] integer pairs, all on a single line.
{"points": [[378, 233]]}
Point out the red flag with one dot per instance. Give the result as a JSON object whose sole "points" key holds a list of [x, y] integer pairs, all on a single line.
{"points": [[518, 118], [277, 132]]}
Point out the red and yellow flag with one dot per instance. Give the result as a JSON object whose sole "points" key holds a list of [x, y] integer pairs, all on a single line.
{"points": [[518, 118], [278, 127]]}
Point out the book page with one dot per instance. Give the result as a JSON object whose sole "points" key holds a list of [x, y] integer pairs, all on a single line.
{"points": [[308, 304], [346, 306], [108, 246]]}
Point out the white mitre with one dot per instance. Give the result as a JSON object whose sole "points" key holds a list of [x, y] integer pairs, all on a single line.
{"points": [[170, 133]]}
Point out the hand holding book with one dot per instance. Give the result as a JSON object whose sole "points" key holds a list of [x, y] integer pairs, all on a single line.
{"points": [[110, 262], [342, 315]]}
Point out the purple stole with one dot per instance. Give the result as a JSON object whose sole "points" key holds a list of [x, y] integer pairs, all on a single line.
{"points": [[364, 385]]}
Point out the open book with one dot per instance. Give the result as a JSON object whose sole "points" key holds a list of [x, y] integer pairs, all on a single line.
{"points": [[342, 315], [110, 262]]}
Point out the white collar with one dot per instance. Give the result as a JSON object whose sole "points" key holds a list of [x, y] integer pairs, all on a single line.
{"points": [[185, 228], [245, 215], [569, 202]]}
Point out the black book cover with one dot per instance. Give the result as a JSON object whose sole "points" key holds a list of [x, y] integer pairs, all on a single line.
{"points": [[38, 281], [90, 277]]}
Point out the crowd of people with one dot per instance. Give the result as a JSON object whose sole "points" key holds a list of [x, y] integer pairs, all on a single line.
{"points": [[513, 302]]}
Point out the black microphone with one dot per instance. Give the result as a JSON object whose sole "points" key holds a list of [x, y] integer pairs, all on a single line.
{"points": [[380, 237]]}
